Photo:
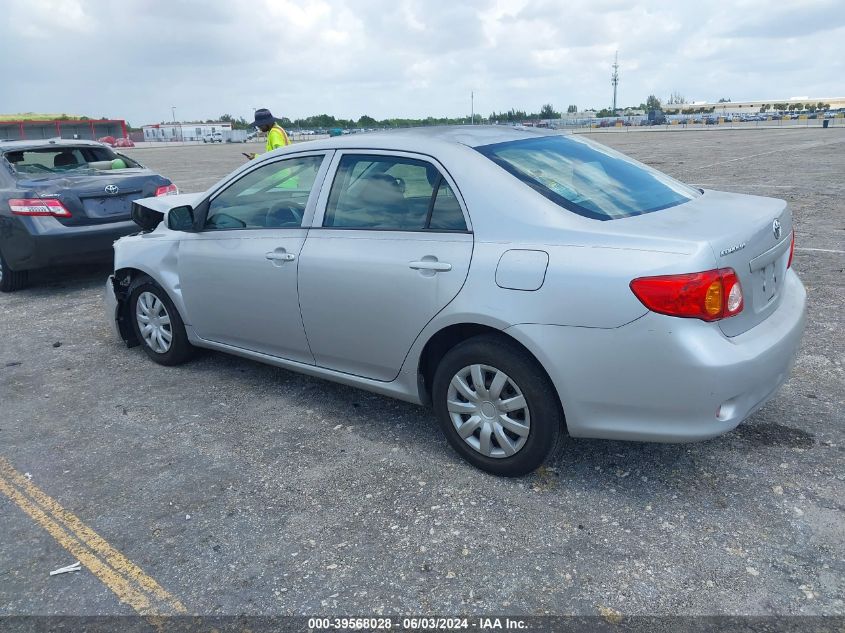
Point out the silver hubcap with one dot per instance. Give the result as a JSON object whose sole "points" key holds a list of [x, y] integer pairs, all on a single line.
{"points": [[489, 411], [154, 322]]}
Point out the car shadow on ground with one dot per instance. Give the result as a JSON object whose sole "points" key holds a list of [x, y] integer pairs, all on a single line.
{"points": [[67, 278], [639, 470]]}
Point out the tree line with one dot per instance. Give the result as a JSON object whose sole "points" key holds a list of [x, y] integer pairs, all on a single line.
{"points": [[675, 103]]}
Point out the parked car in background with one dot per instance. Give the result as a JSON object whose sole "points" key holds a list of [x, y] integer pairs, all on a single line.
{"points": [[213, 137], [519, 281], [65, 202], [124, 142], [107, 140]]}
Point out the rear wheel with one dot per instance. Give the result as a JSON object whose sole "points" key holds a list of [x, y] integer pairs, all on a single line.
{"points": [[157, 324], [496, 406], [11, 280]]}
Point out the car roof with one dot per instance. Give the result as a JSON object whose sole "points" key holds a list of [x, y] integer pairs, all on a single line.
{"points": [[421, 138], [42, 143]]}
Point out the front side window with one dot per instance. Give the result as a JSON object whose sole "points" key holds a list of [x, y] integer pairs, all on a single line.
{"points": [[587, 178], [272, 196], [391, 193]]}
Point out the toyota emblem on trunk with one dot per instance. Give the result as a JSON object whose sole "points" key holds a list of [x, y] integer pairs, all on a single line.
{"points": [[112, 189], [776, 229]]}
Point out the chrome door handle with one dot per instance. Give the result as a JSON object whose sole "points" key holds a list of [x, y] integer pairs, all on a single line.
{"points": [[280, 257], [431, 265]]}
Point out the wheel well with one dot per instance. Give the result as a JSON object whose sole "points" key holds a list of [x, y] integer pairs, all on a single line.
{"points": [[439, 344], [122, 282]]}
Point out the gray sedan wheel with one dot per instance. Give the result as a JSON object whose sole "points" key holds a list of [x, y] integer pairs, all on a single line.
{"points": [[11, 280], [157, 324], [496, 405], [489, 411]]}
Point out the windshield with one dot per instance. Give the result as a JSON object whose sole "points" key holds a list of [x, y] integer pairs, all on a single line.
{"points": [[587, 178], [61, 159]]}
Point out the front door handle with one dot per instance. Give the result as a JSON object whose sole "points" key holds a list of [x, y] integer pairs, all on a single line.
{"points": [[433, 265], [280, 256]]}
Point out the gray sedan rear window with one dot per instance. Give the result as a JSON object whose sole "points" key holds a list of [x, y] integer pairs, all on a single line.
{"points": [[587, 178]]}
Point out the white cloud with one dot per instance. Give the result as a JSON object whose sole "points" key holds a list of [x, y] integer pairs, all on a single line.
{"points": [[136, 58]]}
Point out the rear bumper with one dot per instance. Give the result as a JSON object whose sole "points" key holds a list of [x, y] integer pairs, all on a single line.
{"points": [[666, 379], [39, 242]]}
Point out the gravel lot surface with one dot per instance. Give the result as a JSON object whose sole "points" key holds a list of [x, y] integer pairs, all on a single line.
{"points": [[242, 488]]}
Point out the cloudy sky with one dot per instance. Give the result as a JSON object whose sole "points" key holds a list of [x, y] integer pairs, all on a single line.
{"points": [[134, 59]]}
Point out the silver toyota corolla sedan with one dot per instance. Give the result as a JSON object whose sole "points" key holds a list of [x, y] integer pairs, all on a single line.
{"points": [[524, 284]]}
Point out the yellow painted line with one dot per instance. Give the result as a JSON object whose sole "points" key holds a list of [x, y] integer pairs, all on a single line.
{"points": [[125, 579]]}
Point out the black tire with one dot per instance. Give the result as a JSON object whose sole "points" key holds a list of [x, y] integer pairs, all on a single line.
{"points": [[546, 417], [179, 350], [11, 280]]}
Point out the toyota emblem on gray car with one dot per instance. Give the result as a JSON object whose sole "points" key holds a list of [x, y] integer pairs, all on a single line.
{"points": [[776, 228], [112, 190]]}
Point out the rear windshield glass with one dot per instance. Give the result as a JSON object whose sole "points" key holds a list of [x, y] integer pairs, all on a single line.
{"points": [[587, 178], [57, 160]]}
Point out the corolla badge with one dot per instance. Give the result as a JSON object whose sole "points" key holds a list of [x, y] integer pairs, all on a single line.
{"points": [[111, 189], [732, 249], [776, 228]]}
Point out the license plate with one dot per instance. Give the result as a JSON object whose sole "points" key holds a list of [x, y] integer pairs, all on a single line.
{"points": [[769, 282], [106, 207]]}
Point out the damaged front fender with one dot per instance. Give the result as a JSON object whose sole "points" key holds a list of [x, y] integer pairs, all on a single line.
{"points": [[116, 298]]}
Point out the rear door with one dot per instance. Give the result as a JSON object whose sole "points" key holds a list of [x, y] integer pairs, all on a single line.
{"points": [[390, 248], [239, 273]]}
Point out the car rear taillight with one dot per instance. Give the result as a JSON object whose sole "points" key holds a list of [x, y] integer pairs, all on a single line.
{"points": [[38, 206], [791, 251], [167, 190], [709, 295]]}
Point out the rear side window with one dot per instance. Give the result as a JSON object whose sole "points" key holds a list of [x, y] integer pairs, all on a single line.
{"points": [[587, 178], [391, 193]]}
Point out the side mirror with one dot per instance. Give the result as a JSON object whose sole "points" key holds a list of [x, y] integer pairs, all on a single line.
{"points": [[181, 218]]}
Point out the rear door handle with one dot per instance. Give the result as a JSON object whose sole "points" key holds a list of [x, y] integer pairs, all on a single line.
{"points": [[431, 265]]}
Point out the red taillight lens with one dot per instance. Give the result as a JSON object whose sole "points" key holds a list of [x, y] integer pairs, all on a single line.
{"points": [[167, 190], [38, 206], [791, 251], [709, 295]]}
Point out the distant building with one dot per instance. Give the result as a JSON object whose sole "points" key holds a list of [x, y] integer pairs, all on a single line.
{"points": [[89, 129], [753, 107], [168, 132]]}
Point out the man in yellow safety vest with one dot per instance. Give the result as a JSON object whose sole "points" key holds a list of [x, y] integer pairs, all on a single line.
{"points": [[276, 135]]}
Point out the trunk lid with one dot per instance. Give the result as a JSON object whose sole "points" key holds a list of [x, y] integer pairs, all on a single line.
{"points": [[94, 198], [750, 234]]}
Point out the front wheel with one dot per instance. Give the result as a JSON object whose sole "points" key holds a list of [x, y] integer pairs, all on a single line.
{"points": [[496, 406], [157, 324]]}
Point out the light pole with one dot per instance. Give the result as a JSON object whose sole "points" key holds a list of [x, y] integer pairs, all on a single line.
{"points": [[173, 112]]}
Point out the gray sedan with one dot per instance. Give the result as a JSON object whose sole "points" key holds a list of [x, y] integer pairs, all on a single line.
{"points": [[526, 285]]}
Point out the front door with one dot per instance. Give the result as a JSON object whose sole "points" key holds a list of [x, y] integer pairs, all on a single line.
{"points": [[393, 249], [239, 273]]}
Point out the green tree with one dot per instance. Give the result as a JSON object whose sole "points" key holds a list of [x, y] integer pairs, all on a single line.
{"points": [[572, 109], [548, 112], [725, 100], [367, 121], [652, 103], [765, 107], [605, 112], [799, 106]]}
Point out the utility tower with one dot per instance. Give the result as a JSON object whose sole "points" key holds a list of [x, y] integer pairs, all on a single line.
{"points": [[614, 78]]}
